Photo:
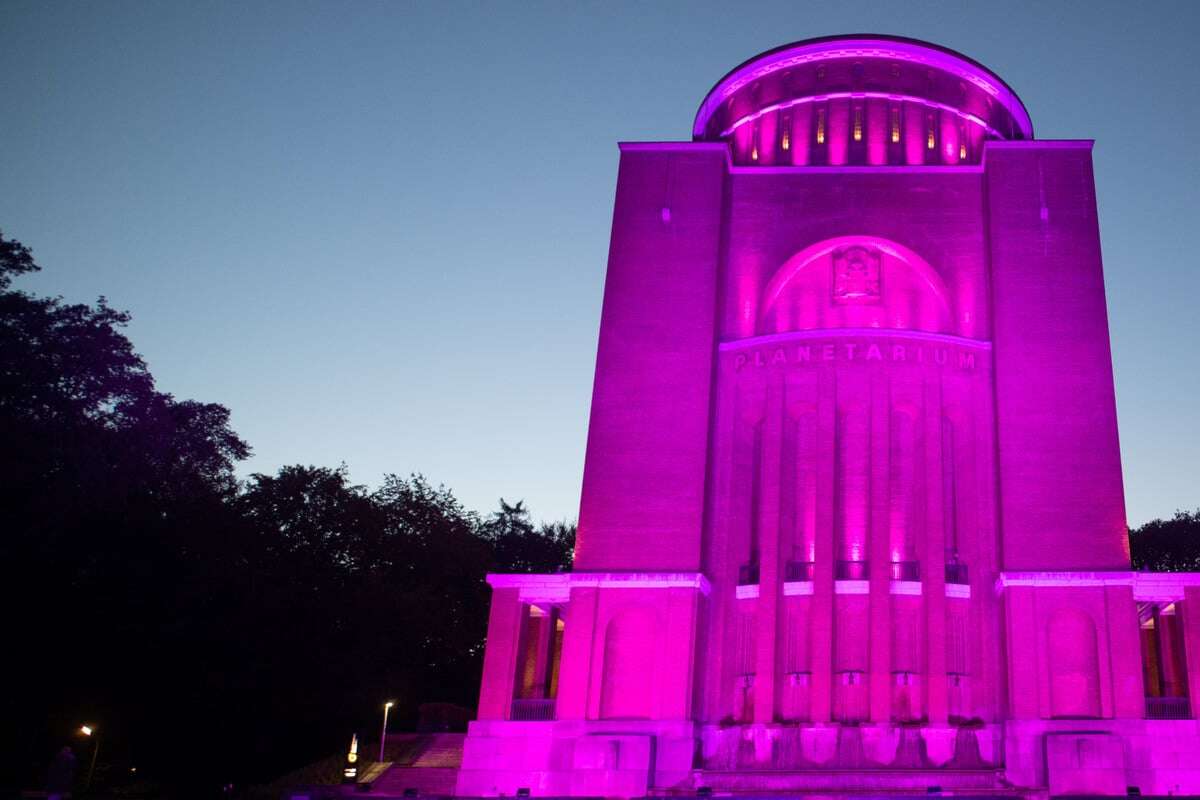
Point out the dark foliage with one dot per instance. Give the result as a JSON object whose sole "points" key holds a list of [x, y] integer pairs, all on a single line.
{"points": [[213, 630], [1167, 545], [519, 547], [15, 259]]}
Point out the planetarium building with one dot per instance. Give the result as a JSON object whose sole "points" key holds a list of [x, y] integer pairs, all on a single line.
{"points": [[852, 514]]}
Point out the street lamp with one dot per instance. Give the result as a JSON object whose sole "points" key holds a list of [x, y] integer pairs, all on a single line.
{"points": [[350, 773], [383, 735], [89, 730]]}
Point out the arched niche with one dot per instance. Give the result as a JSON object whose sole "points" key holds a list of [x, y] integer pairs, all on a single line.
{"points": [[630, 654], [1073, 664], [855, 282]]}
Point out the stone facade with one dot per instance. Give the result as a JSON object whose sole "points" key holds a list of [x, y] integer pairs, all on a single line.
{"points": [[852, 512]]}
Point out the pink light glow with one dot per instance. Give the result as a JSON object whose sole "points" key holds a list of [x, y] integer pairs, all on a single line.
{"points": [[801, 124], [840, 48], [837, 136], [907, 99], [767, 139], [914, 136], [877, 131], [902, 367], [805, 276], [949, 136]]}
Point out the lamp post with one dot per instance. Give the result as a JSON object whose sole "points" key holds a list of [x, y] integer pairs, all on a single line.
{"points": [[350, 772], [383, 734], [90, 730]]}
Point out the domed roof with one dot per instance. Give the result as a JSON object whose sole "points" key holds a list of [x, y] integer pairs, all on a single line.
{"points": [[860, 68]]}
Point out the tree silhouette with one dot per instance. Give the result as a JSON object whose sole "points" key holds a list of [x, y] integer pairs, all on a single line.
{"points": [[1170, 545], [217, 630], [113, 493], [520, 547]]}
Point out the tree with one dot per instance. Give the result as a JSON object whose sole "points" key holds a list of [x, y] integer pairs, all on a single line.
{"points": [[1171, 545], [351, 597], [110, 489], [222, 630], [519, 547], [15, 259]]}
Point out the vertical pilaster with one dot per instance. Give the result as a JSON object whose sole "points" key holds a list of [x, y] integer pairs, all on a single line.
{"points": [[769, 567], [1124, 646], [985, 662], [880, 598], [822, 607], [933, 557], [717, 694]]}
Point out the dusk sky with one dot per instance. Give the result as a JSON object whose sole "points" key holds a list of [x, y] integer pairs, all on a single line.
{"points": [[378, 232]]}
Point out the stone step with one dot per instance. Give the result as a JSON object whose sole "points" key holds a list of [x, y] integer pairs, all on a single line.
{"points": [[443, 750], [425, 780], [837, 780]]}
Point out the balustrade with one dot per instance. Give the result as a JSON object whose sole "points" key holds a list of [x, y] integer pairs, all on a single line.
{"points": [[799, 571], [540, 709], [956, 573], [747, 574], [851, 571], [1168, 708]]}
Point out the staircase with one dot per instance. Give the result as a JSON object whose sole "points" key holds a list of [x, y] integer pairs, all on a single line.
{"points": [[427, 764], [987, 782]]}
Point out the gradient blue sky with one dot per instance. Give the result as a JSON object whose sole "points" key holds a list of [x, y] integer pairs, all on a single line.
{"points": [[378, 232]]}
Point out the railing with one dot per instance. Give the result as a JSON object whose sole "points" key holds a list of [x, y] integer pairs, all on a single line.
{"points": [[799, 571], [956, 573], [532, 709], [851, 571], [1168, 708], [906, 570], [747, 574]]}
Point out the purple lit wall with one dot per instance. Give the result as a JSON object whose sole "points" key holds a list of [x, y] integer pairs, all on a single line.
{"points": [[852, 513]]}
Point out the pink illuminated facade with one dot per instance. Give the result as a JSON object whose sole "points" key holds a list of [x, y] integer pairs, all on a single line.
{"points": [[852, 513]]}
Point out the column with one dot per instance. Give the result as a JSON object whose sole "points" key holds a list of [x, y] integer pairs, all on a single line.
{"points": [[575, 671], [500, 657], [545, 646], [1170, 660]]}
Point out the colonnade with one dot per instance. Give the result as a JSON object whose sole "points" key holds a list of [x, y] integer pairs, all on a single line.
{"points": [[860, 128]]}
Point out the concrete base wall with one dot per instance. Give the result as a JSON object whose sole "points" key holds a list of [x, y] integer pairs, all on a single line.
{"points": [[632, 758], [1104, 757], [859, 747], [578, 759]]}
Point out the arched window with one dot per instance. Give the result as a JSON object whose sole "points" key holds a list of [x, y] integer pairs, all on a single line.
{"points": [[855, 282]]}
